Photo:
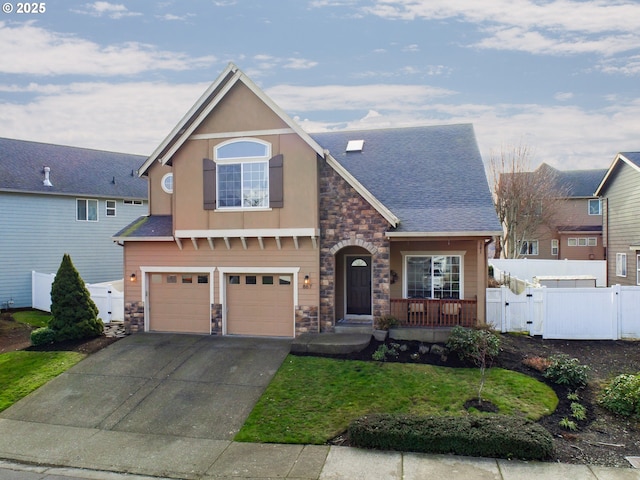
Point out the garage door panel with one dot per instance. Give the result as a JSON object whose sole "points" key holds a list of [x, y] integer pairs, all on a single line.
{"points": [[259, 306], [179, 303]]}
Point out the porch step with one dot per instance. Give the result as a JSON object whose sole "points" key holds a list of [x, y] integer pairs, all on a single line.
{"points": [[353, 328], [330, 343]]}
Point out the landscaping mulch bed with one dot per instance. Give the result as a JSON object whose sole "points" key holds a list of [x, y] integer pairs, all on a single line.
{"points": [[603, 438]]}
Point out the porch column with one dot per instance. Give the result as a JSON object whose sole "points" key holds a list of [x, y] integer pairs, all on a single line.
{"points": [[482, 280]]}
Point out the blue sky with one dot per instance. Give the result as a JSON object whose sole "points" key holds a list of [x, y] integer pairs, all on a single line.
{"points": [[561, 77]]}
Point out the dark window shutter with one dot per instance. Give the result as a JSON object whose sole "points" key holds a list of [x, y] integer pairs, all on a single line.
{"points": [[276, 190], [209, 183]]}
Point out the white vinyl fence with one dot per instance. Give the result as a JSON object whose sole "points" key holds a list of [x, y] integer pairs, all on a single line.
{"points": [[108, 297], [611, 313], [526, 269]]}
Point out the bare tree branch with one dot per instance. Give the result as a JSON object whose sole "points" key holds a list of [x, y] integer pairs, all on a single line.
{"points": [[526, 201]]}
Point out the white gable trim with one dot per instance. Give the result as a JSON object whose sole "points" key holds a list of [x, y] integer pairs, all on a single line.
{"points": [[180, 134], [619, 157], [366, 194]]}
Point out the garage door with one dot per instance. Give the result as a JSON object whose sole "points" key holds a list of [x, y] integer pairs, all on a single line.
{"points": [[260, 304], [179, 302]]}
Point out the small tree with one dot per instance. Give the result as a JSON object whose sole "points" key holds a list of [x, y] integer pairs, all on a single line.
{"points": [[75, 315], [477, 345], [527, 202]]}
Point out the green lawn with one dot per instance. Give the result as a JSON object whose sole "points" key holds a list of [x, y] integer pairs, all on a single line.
{"points": [[22, 372], [35, 318], [311, 399]]}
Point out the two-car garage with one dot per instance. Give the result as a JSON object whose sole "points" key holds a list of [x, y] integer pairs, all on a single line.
{"points": [[253, 304]]}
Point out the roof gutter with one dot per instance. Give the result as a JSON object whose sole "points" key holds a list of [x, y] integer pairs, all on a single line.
{"points": [[486, 233]]}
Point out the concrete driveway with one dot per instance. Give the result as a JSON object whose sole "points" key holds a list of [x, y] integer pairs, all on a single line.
{"points": [[161, 384]]}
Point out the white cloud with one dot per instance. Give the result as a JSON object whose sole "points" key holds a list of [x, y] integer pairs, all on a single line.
{"points": [[127, 117], [555, 27], [32, 50], [135, 117], [628, 66], [106, 9], [563, 96], [170, 17], [342, 97]]}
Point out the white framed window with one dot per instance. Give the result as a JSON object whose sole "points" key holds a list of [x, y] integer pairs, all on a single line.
{"points": [[555, 247], [242, 174], [86, 210], [111, 208], [132, 202], [433, 276], [621, 264], [595, 206], [529, 247], [167, 182], [637, 269], [582, 242]]}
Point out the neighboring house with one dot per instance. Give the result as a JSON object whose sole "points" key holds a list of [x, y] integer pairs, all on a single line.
{"points": [[56, 199], [577, 230], [258, 228], [620, 194]]}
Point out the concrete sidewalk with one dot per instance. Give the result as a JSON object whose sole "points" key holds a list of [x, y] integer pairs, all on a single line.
{"points": [[82, 453]]}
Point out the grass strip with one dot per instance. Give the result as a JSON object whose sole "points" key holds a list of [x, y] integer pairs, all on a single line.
{"points": [[22, 372], [313, 399]]}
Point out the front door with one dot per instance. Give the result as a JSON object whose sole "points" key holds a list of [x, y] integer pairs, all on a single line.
{"points": [[358, 285]]}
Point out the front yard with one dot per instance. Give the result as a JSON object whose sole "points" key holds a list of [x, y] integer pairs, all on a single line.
{"points": [[312, 400]]}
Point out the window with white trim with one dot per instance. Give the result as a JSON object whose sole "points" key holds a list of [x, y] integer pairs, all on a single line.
{"points": [[582, 242], [433, 276], [637, 269], [111, 208], [167, 183], [595, 206], [132, 202], [242, 173], [86, 210], [621, 264], [555, 246], [529, 247]]}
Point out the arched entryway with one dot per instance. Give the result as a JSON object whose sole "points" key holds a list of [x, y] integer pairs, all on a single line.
{"points": [[353, 280], [357, 286]]}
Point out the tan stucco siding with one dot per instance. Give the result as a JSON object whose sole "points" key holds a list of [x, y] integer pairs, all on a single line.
{"points": [[468, 249], [240, 110], [167, 254], [160, 202]]}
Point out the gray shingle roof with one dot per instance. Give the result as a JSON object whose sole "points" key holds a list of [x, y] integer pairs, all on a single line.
{"points": [[74, 171], [632, 157], [432, 178], [147, 227], [581, 183]]}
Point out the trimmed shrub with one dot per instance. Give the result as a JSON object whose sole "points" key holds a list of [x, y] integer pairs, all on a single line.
{"points": [[567, 371], [497, 436], [474, 345], [74, 314], [42, 336], [622, 396]]}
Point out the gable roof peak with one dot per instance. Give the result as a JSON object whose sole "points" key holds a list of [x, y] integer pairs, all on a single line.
{"points": [[207, 102]]}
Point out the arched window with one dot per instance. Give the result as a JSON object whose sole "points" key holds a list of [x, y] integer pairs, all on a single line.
{"points": [[242, 173]]}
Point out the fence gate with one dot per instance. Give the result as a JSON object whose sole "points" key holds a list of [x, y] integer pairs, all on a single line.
{"points": [[517, 310]]}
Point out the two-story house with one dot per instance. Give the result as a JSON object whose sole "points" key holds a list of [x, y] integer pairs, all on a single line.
{"points": [[56, 199], [620, 194], [257, 227], [576, 232]]}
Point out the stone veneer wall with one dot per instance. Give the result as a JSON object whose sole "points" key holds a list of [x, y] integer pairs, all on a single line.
{"points": [[216, 319], [134, 317], [306, 319], [347, 219]]}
